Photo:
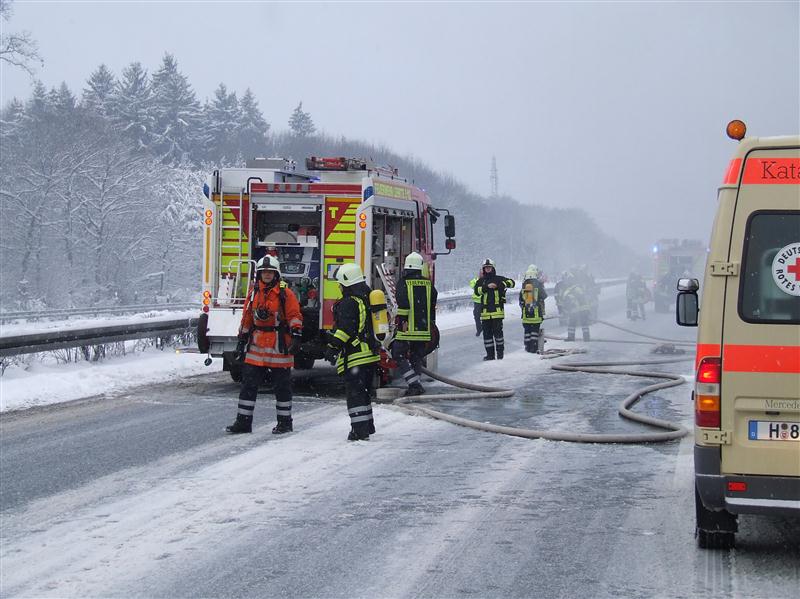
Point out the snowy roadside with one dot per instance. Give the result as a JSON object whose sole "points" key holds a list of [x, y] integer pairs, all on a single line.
{"points": [[46, 384]]}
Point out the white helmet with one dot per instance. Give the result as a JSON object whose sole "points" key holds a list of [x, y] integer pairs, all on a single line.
{"points": [[413, 262], [532, 272], [487, 262], [268, 263], [349, 274]]}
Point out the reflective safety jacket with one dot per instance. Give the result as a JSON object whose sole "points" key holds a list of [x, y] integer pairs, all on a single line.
{"points": [[533, 313], [475, 297], [574, 298], [352, 333], [416, 308], [271, 335], [493, 300]]}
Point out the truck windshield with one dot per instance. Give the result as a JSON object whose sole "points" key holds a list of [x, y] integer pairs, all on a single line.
{"points": [[770, 282]]}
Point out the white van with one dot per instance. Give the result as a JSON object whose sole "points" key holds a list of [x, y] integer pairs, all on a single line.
{"points": [[747, 390]]}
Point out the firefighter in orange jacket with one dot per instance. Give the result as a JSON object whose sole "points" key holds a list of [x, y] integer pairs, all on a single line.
{"points": [[269, 336]]}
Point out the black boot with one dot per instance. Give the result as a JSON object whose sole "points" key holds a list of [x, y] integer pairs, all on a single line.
{"points": [[282, 427], [242, 424], [352, 436], [414, 389]]}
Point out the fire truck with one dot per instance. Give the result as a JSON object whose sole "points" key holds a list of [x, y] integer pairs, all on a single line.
{"points": [[341, 210], [673, 259]]}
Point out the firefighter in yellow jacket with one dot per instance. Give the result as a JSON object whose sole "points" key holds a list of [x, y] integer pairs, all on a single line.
{"points": [[531, 304], [354, 349], [269, 336], [491, 288], [416, 319]]}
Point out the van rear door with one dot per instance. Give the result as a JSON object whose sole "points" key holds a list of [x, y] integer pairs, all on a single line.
{"points": [[760, 387]]}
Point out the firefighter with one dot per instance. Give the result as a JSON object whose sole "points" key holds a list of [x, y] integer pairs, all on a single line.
{"points": [[637, 294], [531, 303], [269, 336], [559, 297], [416, 317], [477, 308], [353, 348], [491, 288], [590, 288], [577, 306]]}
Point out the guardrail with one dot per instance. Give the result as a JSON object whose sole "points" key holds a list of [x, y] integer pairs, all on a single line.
{"points": [[453, 301], [52, 340], [38, 342], [61, 313]]}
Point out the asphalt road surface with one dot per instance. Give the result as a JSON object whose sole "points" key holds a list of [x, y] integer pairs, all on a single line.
{"points": [[143, 495]]}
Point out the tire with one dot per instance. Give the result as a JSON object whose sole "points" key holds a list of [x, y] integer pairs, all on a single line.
{"points": [[303, 362], [714, 529], [715, 540], [236, 373], [203, 344]]}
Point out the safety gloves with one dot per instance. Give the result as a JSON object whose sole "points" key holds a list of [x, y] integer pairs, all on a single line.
{"points": [[331, 354], [241, 347], [294, 346]]}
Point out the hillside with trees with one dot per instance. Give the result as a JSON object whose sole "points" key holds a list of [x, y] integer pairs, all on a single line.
{"points": [[100, 192]]}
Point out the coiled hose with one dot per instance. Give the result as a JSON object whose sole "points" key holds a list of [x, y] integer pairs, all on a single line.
{"points": [[672, 430]]}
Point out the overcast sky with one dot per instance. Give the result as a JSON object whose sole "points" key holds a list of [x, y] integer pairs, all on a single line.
{"points": [[619, 108]]}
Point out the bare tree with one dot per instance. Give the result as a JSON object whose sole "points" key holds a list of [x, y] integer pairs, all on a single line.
{"points": [[17, 49]]}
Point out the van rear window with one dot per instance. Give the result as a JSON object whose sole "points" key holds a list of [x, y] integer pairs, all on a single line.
{"points": [[770, 283]]}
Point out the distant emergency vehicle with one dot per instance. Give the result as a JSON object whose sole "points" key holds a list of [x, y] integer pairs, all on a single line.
{"points": [[673, 259], [747, 390], [342, 210]]}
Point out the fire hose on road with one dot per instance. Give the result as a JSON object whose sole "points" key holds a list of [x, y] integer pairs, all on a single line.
{"points": [[671, 430]]}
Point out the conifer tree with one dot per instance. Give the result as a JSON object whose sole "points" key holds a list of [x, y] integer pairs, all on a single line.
{"points": [[177, 114], [300, 123], [62, 101], [99, 92], [222, 118], [253, 128], [132, 106]]}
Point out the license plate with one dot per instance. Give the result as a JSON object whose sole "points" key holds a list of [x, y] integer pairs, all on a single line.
{"points": [[773, 430]]}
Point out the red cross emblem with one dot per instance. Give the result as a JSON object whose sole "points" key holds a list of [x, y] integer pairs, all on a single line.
{"points": [[795, 269]]}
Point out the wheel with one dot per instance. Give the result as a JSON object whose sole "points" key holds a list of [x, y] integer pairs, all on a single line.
{"points": [[303, 362], [715, 529], [203, 344], [715, 540]]}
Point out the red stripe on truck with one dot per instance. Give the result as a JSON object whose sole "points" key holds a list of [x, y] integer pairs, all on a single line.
{"points": [[771, 171], [761, 358]]}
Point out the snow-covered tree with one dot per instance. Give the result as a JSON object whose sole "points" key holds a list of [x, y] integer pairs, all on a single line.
{"points": [[253, 128], [221, 118], [177, 113], [98, 94], [62, 101], [132, 106], [300, 123], [17, 49]]}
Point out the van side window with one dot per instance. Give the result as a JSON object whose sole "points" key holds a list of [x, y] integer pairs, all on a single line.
{"points": [[770, 281]]}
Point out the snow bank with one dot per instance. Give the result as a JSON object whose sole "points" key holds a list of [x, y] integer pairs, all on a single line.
{"points": [[50, 384]]}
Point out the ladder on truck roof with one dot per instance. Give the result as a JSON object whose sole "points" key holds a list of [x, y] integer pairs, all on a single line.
{"points": [[231, 255]]}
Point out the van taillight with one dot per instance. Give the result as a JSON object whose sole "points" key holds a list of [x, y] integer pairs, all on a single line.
{"points": [[706, 393]]}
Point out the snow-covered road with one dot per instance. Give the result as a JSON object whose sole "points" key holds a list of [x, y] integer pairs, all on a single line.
{"points": [[142, 495]]}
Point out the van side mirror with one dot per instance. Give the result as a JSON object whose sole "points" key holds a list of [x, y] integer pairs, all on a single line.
{"points": [[690, 285], [450, 243], [449, 225], [686, 308]]}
